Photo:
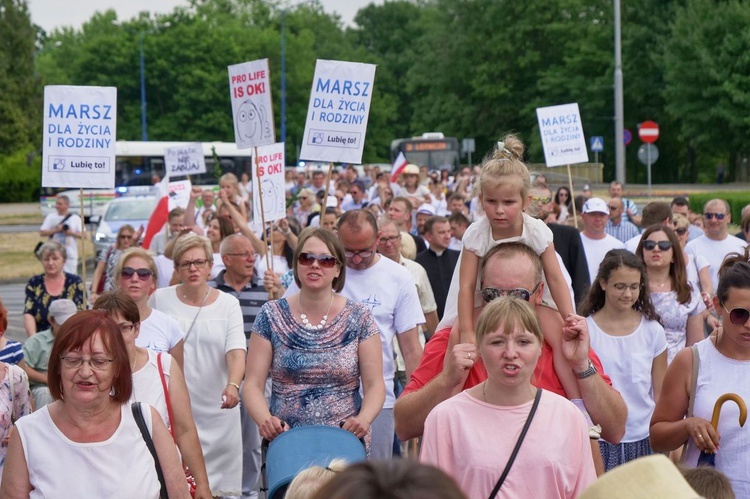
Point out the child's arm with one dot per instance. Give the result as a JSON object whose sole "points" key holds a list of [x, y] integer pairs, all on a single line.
{"points": [[558, 288], [467, 283], [658, 369]]}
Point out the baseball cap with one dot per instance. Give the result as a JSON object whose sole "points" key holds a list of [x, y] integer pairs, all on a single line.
{"points": [[595, 205], [426, 208], [586, 187], [332, 202], [411, 169], [62, 310]]}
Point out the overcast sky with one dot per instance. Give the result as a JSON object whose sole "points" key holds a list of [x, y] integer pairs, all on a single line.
{"points": [[50, 14]]}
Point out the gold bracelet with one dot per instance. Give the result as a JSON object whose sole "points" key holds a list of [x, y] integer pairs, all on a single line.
{"points": [[234, 385]]}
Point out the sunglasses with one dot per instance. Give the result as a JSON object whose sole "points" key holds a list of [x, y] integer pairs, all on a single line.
{"points": [[680, 231], [325, 261], [717, 216], [129, 272], [362, 254], [738, 316], [489, 294], [125, 237], [651, 245]]}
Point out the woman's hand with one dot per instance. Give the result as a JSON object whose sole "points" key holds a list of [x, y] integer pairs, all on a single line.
{"points": [[272, 428], [272, 282], [354, 425], [230, 397], [203, 492], [705, 438]]}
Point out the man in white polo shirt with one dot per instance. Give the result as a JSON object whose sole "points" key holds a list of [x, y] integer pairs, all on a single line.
{"points": [[596, 242], [715, 243]]}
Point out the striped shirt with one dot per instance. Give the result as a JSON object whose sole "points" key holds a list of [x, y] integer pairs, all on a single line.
{"points": [[622, 231], [12, 353], [251, 298]]}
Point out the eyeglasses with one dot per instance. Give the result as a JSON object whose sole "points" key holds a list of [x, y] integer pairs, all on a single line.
{"points": [[124, 236], [621, 287], [199, 264], [325, 261], [246, 255], [651, 245], [681, 231], [127, 328], [489, 294], [129, 272], [97, 363], [737, 316], [362, 254], [387, 240], [711, 216]]}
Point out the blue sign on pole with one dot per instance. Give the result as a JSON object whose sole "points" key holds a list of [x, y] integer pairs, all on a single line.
{"points": [[597, 144], [627, 136]]}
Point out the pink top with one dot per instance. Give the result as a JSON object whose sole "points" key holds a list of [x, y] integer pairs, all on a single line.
{"points": [[472, 440]]}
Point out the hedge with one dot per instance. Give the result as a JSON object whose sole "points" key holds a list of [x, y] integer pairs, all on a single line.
{"points": [[19, 181], [736, 199]]}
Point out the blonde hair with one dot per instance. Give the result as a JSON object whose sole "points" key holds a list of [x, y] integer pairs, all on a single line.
{"points": [[511, 313], [135, 253], [680, 221], [188, 242], [231, 179], [505, 165], [308, 481]]}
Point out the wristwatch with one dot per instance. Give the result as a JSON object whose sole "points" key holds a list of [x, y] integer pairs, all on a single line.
{"points": [[588, 372]]}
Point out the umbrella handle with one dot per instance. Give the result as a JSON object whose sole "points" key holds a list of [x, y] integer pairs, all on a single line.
{"points": [[724, 398]]}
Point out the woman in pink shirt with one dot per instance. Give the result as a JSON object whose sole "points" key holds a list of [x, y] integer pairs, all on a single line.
{"points": [[472, 435]]}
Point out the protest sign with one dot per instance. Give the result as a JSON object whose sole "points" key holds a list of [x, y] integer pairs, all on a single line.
{"points": [[80, 126], [252, 108], [338, 111], [184, 160], [269, 168], [562, 135], [179, 194]]}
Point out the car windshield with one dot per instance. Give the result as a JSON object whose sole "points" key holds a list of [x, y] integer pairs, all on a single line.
{"points": [[135, 209]]}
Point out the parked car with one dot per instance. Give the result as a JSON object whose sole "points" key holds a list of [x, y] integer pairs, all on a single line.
{"points": [[134, 210]]}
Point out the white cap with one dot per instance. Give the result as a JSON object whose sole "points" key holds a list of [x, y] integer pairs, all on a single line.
{"points": [[332, 202], [426, 208], [62, 310], [595, 205]]}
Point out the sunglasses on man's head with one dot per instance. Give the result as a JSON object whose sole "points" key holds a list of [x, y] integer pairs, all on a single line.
{"points": [[738, 316], [143, 274], [489, 294], [711, 216], [680, 231], [325, 261], [651, 245]]}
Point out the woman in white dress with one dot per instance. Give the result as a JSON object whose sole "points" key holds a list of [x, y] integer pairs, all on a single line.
{"points": [[214, 359], [148, 387]]}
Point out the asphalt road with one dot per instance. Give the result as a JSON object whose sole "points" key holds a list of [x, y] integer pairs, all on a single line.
{"points": [[10, 229]]}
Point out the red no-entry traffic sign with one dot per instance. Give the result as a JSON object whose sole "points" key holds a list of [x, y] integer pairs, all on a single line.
{"points": [[648, 132]]}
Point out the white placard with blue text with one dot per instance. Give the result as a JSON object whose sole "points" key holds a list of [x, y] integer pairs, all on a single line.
{"points": [[252, 107], [80, 129], [184, 160], [562, 135], [338, 111], [269, 168]]}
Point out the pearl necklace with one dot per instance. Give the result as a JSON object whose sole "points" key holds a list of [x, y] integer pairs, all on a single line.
{"points": [[306, 322]]}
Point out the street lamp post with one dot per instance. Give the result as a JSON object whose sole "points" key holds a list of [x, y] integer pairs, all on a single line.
{"points": [[619, 108], [283, 76]]}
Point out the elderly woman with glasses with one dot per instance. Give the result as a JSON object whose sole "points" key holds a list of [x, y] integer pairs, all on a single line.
{"points": [[305, 206], [91, 431], [104, 273], [677, 302], [317, 345], [683, 413], [214, 359]]}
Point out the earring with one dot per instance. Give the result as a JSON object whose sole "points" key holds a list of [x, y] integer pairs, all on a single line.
{"points": [[112, 392]]}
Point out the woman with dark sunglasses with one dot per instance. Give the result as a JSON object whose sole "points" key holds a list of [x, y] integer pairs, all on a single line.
{"points": [[316, 344], [137, 275], [677, 302], [104, 274], [723, 366], [627, 335]]}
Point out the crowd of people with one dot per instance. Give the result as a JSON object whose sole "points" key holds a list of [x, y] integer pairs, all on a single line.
{"points": [[465, 314]]}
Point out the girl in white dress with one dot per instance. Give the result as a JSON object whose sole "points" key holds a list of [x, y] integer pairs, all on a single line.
{"points": [[503, 191]]}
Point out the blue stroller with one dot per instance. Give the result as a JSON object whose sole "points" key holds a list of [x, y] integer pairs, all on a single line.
{"points": [[302, 447]]}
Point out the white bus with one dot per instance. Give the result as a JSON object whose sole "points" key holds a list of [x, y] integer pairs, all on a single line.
{"points": [[136, 164]]}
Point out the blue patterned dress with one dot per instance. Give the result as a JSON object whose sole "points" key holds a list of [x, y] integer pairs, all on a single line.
{"points": [[315, 374]]}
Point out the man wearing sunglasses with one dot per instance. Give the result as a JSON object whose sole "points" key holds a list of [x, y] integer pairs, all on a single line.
{"points": [[237, 279], [448, 367], [716, 242], [388, 290], [618, 226]]}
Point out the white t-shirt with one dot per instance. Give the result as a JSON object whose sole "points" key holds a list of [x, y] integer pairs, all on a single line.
{"points": [[147, 386], [632, 243], [694, 264], [714, 251], [159, 332], [71, 243], [628, 360], [595, 250], [388, 290]]}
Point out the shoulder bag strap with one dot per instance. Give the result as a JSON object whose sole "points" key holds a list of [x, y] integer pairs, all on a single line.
{"points": [[518, 444], [691, 401], [138, 415], [166, 393]]}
